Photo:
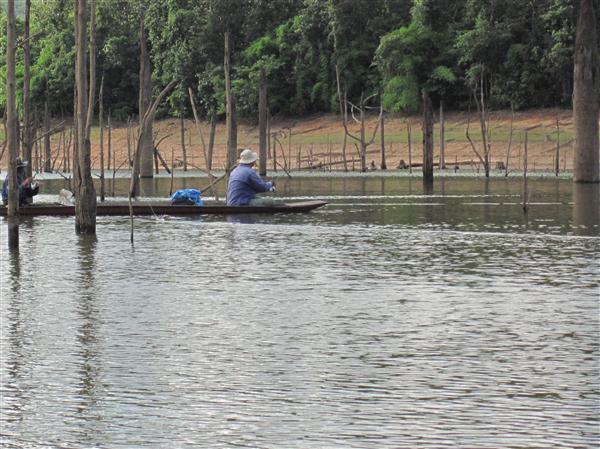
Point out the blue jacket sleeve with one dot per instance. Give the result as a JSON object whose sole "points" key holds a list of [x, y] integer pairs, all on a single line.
{"points": [[258, 184]]}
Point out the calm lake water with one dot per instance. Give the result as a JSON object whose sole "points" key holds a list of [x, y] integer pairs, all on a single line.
{"points": [[393, 317]]}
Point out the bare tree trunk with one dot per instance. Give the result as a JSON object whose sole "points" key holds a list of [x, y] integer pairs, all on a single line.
{"points": [[585, 97], [101, 125], [344, 114], [211, 138], [182, 135], [262, 124], [383, 162], [427, 138], [109, 146], [481, 112], [47, 149], [85, 207], [11, 129], [512, 121], [525, 191], [129, 133], [230, 108], [26, 91], [145, 123], [409, 138], [363, 147], [557, 154], [442, 138], [146, 145]]}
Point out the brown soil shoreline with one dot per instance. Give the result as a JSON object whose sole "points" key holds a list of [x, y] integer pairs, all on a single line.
{"points": [[317, 141]]}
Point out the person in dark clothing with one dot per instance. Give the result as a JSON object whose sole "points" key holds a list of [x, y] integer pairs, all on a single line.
{"points": [[28, 186]]}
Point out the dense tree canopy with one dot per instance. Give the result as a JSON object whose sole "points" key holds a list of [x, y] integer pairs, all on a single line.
{"points": [[522, 49]]}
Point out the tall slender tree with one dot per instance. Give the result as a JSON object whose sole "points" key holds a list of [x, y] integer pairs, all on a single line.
{"points": [[11, 129], [230, 106], [145, 101], [27, 122], [262, 123], [585, 96], [85, 207]]}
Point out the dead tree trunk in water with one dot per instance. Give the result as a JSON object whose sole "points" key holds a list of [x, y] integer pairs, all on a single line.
{"points": [[585, 97], [427, 138], [144, 125], [409, 138], [344, 114], [47, 149], [211, 139], [182, 136], [85, 207], [383, 162], [557, 154], [11, 129], [442, 138], [145, 99], [101, 125], [27, 123], [230, 107], [262, 124]]}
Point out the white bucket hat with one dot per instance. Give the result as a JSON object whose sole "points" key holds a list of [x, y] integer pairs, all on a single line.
{"points": [[248, 156]]}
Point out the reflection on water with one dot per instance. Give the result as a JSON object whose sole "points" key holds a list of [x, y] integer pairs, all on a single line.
{"points": [[390, 318], [586, 207]]}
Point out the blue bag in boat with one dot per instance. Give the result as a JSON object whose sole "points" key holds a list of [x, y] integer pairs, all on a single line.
{"points": [[187, 196]]}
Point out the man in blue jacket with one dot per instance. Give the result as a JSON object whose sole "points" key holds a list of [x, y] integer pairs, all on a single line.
{"points": [[244, 183], [28, 187]]}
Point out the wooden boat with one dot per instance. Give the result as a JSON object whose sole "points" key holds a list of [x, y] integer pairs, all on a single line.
{"points": [[158, 208]]}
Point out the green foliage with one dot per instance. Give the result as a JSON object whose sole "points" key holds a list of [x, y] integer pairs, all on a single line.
{"points": [[523, 50]]}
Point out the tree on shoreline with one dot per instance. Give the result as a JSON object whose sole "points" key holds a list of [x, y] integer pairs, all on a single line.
{"points": [[585, 96]]}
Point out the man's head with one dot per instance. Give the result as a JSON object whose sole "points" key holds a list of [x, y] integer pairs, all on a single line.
{"points": [[21, 166], [248, 157]]}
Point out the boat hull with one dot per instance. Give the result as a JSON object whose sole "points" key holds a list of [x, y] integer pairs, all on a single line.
{"points": [[167, 209]]}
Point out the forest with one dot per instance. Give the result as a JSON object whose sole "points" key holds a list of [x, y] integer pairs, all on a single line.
{"points": [[519, 52]]}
